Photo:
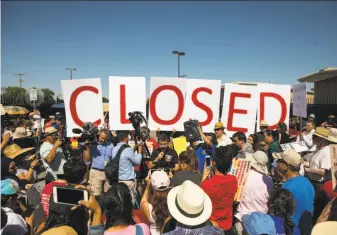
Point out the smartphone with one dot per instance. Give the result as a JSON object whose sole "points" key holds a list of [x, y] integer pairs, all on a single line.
{"points": [[208, 160], [69, 196], [153, 170]]}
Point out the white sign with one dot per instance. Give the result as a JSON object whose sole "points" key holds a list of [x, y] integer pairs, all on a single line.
{"points": [[333, 155], [299, 146], [82, 102], [274, 104], [33, 95], [167, 103], [202, 102], [300, 100], [240, 104], [126, 94]]}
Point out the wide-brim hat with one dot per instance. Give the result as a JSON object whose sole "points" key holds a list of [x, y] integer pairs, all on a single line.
{"points": [[258, 161], [189, 204], [290, 156], [333, 135], [263, 123], [325, 228], [14, 150], [21, 132], [322, 132], [49, 130]]}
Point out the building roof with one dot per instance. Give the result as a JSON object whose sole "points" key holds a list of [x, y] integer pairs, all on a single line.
{"points": [[321, 75]]}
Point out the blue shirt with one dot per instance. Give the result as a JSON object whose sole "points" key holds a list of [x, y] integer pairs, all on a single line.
{"points": [[127, 161], [304, 195], [279, 225], [100, 154], [201, 154]]}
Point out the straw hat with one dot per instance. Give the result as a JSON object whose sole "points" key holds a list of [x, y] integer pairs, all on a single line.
{"points": [[325, 228], [322, 132], [263, 123], [189, 204], [21, 132], [333, 135], [49, 130], [14, 150]]}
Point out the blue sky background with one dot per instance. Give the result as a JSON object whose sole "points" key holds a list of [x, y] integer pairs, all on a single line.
{"points": [[274, 42]]}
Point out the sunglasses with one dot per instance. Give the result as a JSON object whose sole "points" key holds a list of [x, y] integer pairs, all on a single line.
{"points": [[219, 129], [281, 161]]}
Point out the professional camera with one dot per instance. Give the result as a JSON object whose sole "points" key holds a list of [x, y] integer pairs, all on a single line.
{"points": [[89, 133], [137, 118], [191, 130]]}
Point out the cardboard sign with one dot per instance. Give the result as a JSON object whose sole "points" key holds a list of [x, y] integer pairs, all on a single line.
{"points": [[167, 103], [82, 102], [202, 102], [126, 94], [300, 100], [274, 104], [240, 169], [333, 156], [239, 108]]}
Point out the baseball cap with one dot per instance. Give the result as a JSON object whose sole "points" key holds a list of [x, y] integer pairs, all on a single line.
{"points": [[219, 125], [290, 156], [160, 180], [258, 223]]}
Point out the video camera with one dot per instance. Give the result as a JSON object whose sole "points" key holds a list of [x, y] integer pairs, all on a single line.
{"points": [[137, 118], [191, 130], [89, 133]]}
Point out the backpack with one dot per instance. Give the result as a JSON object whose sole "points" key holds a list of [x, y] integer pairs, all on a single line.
{"points": [[113, 164]]}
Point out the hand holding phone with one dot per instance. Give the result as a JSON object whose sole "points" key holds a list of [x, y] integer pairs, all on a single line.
{"points": [[208, 161], [69, 196]]}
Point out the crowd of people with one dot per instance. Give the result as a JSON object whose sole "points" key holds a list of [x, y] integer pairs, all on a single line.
{"points": [[151, 189]]}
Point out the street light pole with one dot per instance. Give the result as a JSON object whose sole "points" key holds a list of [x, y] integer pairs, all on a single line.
{"points": [[178, 53], [71, 72]]}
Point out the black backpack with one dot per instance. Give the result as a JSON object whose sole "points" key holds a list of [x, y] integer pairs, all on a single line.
{"points": [[112, 167]]}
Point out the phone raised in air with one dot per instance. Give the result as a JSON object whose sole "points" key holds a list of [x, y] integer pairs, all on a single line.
{"points": [[69, 196], [208, 160]]}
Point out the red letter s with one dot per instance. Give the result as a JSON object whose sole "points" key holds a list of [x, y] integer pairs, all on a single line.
{"points": [[203, 106]]}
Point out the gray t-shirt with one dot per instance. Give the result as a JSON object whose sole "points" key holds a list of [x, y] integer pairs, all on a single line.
{"points": [[56, 166]]}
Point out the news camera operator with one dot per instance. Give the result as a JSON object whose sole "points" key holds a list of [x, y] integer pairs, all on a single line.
{"points": [[98, 154], [52, 154], [164, 155]]}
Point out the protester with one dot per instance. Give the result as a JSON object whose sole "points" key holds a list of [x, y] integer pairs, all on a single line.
{"points": [[222, 138], [151, 144], [188, 169], [281, 206], [263, 129], [190, 206], [154, 200], [164, 155], [283, 135], [307, 135], [127, 161], [240, 140], [204, 149], [252, 140], [117, 204], [98, 154], [12, 223], [52, 155], [257, 189], [288, 164], [221, 188], [36, 118]]}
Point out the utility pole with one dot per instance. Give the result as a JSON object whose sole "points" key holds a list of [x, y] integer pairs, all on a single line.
{"points": [[20, 80], [71, 72]]}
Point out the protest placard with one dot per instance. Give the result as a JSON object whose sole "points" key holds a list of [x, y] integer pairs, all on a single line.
{"points": [[299, 146], [333, 156], [300, 100], [240, 169]]}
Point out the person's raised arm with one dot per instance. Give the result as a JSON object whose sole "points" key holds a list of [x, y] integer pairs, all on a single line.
{"points": [[50, 156], [204, 137], [144, 204], [86, 155], [135, 159]]}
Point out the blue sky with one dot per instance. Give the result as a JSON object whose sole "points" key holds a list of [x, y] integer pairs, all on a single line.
{"points": [[274, 42]]}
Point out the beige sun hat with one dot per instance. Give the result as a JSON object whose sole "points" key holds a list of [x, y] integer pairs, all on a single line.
{"points": [[325, 228], [333, 135], [259, 161], [322, 132], [21, 132], [290, 156], [189, 204], [14, 150]]}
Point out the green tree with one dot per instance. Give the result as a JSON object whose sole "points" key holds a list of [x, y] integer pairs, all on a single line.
{"points": [[14, 95], [48, 94], [105, 100]]}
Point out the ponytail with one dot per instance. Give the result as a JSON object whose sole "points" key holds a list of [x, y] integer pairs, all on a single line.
{"points": [[288, 225]]}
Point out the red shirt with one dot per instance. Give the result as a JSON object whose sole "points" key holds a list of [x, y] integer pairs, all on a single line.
{"points": [[221, 189], [45, 195], [327, 188], [151, 144]]}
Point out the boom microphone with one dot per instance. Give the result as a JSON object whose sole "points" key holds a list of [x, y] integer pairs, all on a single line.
{"points": [[77, 131]]}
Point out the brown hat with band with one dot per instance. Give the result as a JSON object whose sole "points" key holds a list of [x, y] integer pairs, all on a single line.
{"points": [[322, 133], [290, 156], [14, 150]]}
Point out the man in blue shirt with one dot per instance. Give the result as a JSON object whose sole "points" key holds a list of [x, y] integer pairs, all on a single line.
{"points": [[207, 148], [127, 161], [99, 155], [288, 164]]}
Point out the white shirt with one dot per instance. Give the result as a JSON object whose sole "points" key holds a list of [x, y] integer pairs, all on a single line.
{"points": [[255, 194], [15, 223], [56, 167], [224, 140], [320, 160], [307, 138], [37, 121], [153, 228]]}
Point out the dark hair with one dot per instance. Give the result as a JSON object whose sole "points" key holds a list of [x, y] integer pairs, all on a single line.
{"points": [[281, 203], [74, 170], [163, 137], [117, 204], [256, 144], [333, 211], [240, 136], [158, 200], [188, 157], [3, 218], [110, 173], [105, 131], [11, 202], [223, 157], [122, 135], [283, 127]]}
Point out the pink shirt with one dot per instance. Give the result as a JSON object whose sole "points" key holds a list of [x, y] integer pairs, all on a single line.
{"points": [[255, 194], [130, 230]]}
